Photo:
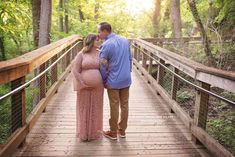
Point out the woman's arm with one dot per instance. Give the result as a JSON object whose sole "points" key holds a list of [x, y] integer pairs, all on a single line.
{"points": [[76, 70]]}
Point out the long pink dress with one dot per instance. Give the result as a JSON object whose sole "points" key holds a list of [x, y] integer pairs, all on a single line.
{"points": [[89, 109]]}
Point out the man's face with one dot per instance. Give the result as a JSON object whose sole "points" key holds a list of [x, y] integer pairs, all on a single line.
{"points": [[102, 34]]}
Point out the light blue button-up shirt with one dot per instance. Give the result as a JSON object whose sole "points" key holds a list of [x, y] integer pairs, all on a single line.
{"points": [[116, 50]]}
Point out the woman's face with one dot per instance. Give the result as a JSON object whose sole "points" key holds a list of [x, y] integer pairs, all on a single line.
{"points": [[97, 43]]}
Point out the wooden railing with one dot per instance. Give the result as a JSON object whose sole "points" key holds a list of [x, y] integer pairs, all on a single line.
{"points": [[188, 40], [17, 72], [179, 70]]}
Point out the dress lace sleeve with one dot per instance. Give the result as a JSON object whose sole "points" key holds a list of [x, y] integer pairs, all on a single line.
{"points": [[76, 70]]}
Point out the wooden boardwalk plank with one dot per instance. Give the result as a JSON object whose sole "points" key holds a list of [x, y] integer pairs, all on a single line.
{"points": [[152, 129]]}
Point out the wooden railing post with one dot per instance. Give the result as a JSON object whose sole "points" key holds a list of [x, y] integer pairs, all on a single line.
{"points": [[144, 59], [54, 71], [18, 106], [160, 73], [138, 54], [48, 77], [14, 72], [150, 67], [42, 83], [160, 43], [135, 51], [201, 108], [174, 86], [68, 57], [74, 51], [63, 60]]}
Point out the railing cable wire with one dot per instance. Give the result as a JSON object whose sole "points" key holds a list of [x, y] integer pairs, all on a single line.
{"points": [[39, 75], [196, 86]]}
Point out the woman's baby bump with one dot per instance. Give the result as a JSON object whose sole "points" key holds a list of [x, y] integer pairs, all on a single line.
{"points": [[92, 77]]}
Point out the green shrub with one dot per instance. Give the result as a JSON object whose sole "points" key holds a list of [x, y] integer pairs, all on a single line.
{"points": [[184, 95], [223, 130]]}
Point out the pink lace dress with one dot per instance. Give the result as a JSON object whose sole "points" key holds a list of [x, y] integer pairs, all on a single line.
{"points": [[89, 86]]}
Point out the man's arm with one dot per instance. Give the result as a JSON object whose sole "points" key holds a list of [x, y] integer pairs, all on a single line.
{"points": [[130, 58], [104, 57]]}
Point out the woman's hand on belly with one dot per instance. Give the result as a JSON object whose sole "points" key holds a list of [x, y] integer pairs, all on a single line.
{"points": [[92, 77], [84, 86], [87, 87]]}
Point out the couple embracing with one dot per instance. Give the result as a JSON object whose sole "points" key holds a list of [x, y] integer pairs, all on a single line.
{"points": [[95, 68]]}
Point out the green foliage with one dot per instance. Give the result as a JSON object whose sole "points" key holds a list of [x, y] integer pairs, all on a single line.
{"points": [[167, 80], [226, 15], [187, 19], [184, 95], [228, 95], [4, 114], [15, 27], [223, 130], [5, 109], [109, 10], [30, 95]]}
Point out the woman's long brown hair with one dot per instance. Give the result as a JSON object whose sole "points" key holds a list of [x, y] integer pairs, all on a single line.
{"points": [[89, 42]]}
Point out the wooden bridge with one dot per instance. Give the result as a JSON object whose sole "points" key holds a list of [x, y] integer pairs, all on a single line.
{"points": [[41, 110]]}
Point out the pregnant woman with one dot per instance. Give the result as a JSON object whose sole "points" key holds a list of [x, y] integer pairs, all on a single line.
{"points": [[89, 86]]}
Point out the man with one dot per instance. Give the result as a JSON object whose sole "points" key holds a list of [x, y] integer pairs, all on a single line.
{"points": [[115, 68]]}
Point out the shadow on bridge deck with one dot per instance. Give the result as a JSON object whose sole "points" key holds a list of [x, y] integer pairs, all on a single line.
{"points": [[152, 129]]}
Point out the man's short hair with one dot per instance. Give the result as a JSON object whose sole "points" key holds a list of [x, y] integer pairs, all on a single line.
{"points": [[105, 26]]}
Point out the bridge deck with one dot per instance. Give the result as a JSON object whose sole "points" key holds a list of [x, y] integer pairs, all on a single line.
{"points": [[152, 130]]}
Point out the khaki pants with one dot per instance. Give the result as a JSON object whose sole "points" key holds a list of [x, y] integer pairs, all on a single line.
{"points": [[116, 97]]}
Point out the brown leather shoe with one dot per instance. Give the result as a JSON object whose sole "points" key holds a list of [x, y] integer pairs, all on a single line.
{"points": [[122, 133], [110, 134]]}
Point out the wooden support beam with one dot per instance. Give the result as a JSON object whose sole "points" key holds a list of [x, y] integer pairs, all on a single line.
{"points": [[138, 54], [54, 71], [174, 86], [18, 106], [201, 108], [144, 60], [160, 73], [135, 51], [150, 66]]}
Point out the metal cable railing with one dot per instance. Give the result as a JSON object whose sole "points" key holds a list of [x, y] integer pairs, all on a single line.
{"points": [[225, 59], [20, 97], [38, 76], [185, 80], [201, 105]]}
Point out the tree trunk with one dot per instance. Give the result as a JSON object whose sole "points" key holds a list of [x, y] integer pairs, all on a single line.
{"points": [[45, 23], [97, 7], [61, 16], [208, 20], [205, 40], [81, 16], [156, 17], [44, 39], [36, 8], [2, 49], [66, 18], [176, 18]]}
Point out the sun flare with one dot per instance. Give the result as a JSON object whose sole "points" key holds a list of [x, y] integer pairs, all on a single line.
{"points": [[137, 6]]}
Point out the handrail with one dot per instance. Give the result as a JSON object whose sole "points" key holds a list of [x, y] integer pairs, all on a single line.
{"points": [[22, 65], [148, 56], [194, 85], [53, 63], [215, 77], [183, 39], [39, 75]]}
